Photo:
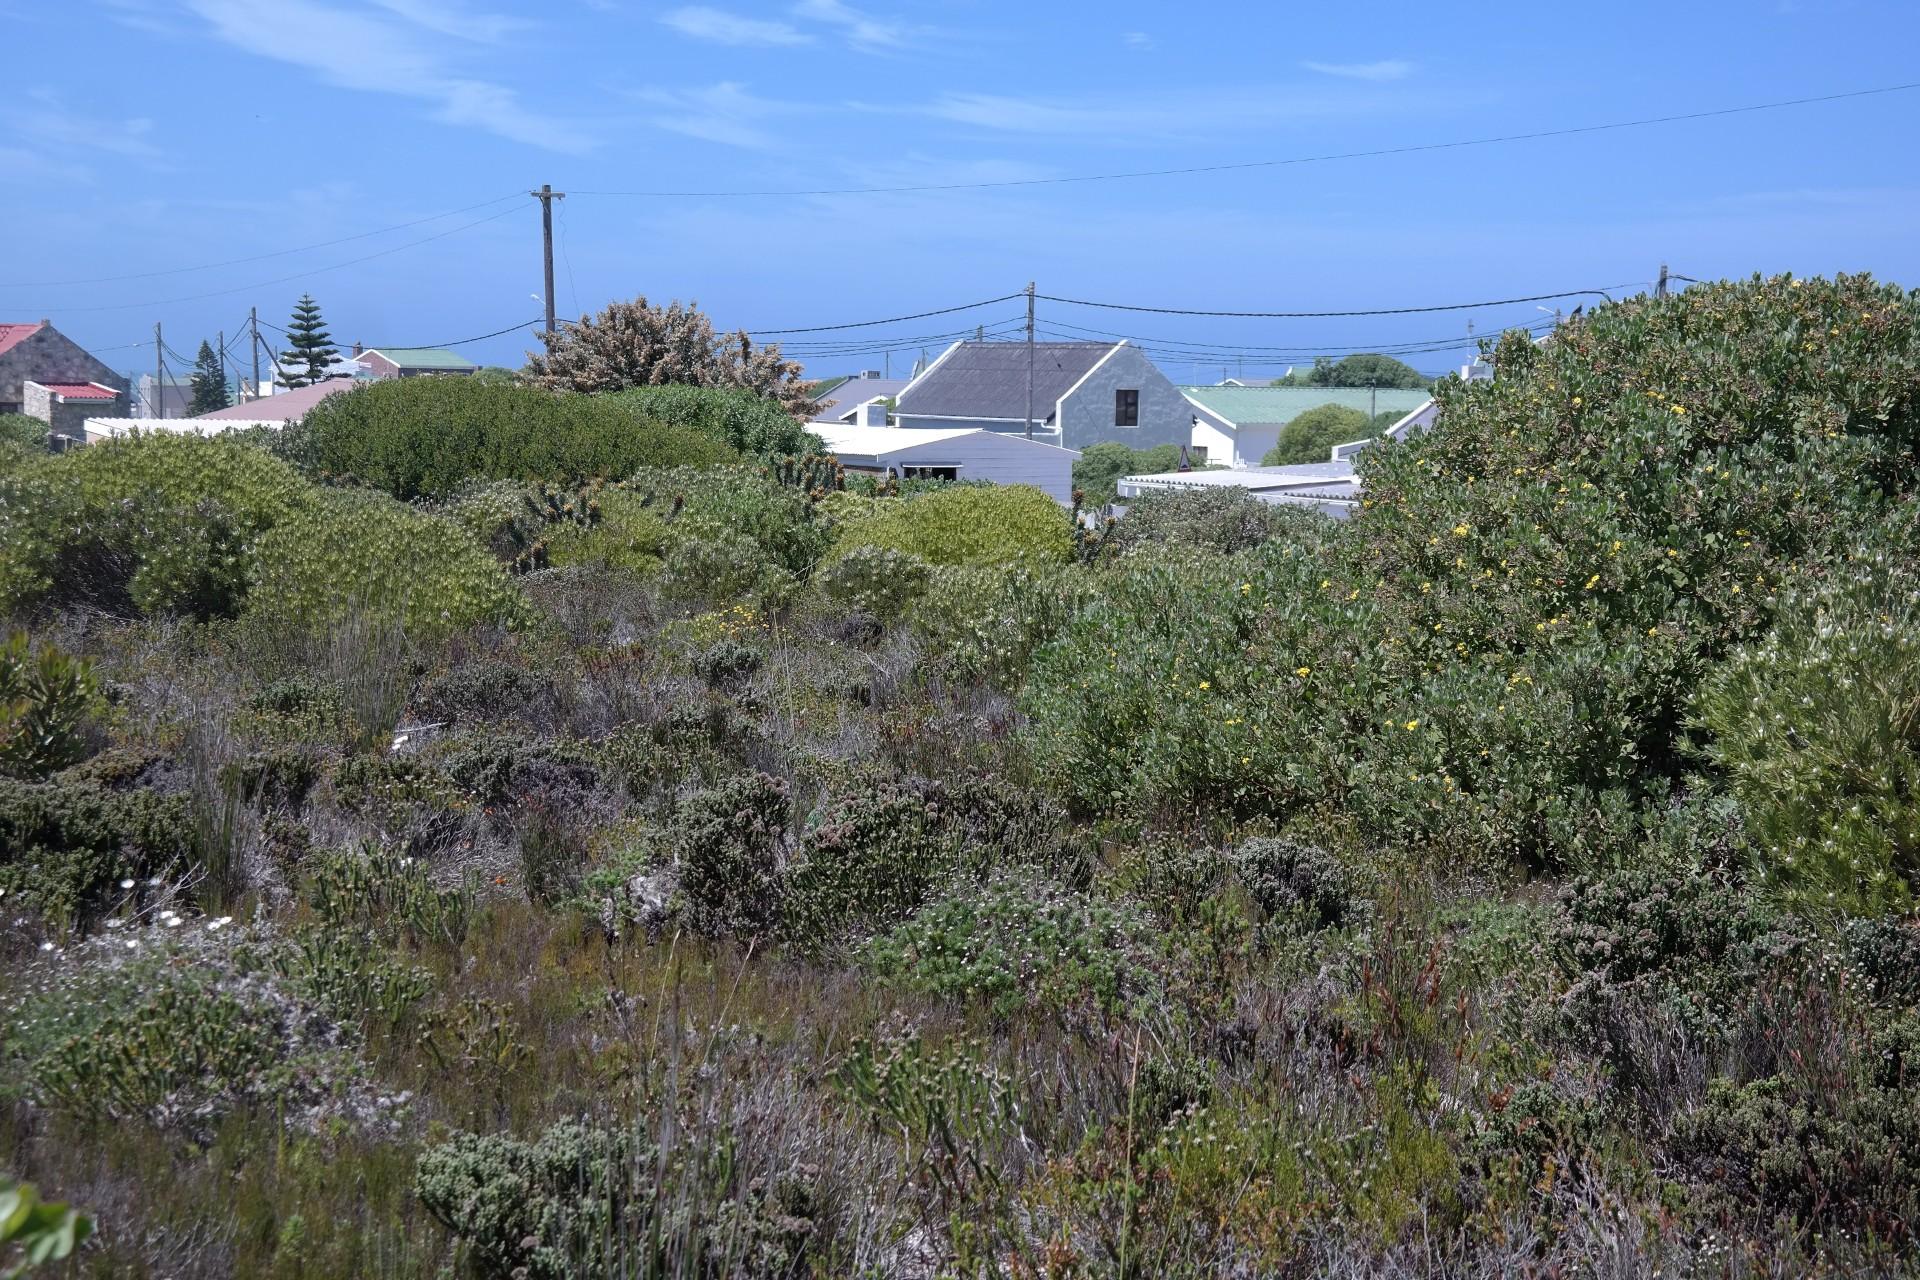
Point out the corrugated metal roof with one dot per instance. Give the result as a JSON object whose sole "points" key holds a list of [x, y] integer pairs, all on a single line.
{"points": [[989, 380], [879, 442], [81, 390], [288, 406], [1277, 406], [423, 357], [12, 335]]}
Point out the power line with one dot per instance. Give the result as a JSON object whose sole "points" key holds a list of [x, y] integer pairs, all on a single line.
{"points": [[868, 324], [1240, 350], [1324, 315], [299, 275], [258, 257], [1411, 149]]}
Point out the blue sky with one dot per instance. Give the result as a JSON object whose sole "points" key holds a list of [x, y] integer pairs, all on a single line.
{"points": [[148, 136]]}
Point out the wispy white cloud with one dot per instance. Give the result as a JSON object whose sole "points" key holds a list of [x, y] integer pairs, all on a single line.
{"points": [[721, 27], [375, 54], [862, 30], [1162, 115], [726, 113], [456, 20], [1386, 69], [45, 120], [1136, 40]]}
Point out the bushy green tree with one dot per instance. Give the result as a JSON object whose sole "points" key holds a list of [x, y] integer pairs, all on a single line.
{"points": [[741, 419], [638, 344], [1367, 369], [1100, 467], [1311, 435], [310, 350], [429, 437], [209, 382], [964, 524]]}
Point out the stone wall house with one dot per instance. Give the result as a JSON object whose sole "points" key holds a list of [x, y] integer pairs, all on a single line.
{"points": [[66, 406], [40, 353]]}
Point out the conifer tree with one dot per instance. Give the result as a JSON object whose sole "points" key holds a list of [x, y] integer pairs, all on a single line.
{"points": [[310, 348], [209, 382]]}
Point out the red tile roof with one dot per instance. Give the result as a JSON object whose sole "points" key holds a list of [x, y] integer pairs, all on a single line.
{"points": [[81, 390], [12, 335], [287, 406]]}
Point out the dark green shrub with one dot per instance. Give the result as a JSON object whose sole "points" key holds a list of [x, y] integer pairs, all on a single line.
{"points": [[875, 855], [987, 621], [726, 660], [1883, 959], [1020, 942], [1310, 436], [66, 846], [879, 580], [964, 524], [28, 433], [742, 420], [383, 893], [1100, 466], [481, 692], [1289, 878], [1851, 1161], [427, 437], [45, 699], [147, 524], [727, 844]]}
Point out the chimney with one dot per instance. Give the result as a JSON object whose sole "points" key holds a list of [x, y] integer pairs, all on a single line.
{"points": [[868, 373], [871, 414], [358, 351]]}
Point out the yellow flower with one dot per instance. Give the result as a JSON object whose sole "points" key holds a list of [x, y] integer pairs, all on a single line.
{"points": [[1736, 588], [1680, 409], [1653, 631], [1246, 588], [1303, 672], [1592, 581], [1206, 684], [1461, 531], [1576, 402], [1412, 725]]}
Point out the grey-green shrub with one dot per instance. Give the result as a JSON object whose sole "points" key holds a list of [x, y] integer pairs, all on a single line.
{"points": [[737, 417]]}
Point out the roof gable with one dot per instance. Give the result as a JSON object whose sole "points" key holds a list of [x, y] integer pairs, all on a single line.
{"points": [[12, 335], [989, 380]]}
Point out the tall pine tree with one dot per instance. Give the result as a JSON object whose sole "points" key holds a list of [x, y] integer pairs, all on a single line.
{"points": [[209, 382], [310, 348]]}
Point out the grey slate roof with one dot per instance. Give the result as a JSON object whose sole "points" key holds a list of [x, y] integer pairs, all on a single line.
{"points": [[989, 380], [853, 392]]}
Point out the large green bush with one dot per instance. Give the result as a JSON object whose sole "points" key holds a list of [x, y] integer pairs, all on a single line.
{"points": [[65, 847], [428, 437], [355, 555], [742, 420], [1817, 724], [28, 433], [1311, 435], [964, 524], [148, 523], [1100, 466], [1222, 520]]}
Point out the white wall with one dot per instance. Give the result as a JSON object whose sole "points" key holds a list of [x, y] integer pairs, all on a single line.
{"points": [[1086, 412]]}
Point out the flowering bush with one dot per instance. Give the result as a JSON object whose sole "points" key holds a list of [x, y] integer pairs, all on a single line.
{"points": [[1223, 520], [986, 621], [728, 847]]}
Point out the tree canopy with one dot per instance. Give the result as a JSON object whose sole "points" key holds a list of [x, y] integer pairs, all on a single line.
{"points": [[1369, 369], [637, 344], [209, 382], [310, 350], [1311, 436]]}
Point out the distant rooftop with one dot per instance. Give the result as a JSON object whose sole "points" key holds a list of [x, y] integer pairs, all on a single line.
{"points": [[288, 406], [422, 358], [81, 390], [989, 380], [12, 335]]}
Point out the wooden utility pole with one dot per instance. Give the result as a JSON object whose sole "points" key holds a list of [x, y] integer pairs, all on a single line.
{"points": [[157, 402], [1029, 359], [253, 323], [546, 195], [222, 334], [1660, 288]]}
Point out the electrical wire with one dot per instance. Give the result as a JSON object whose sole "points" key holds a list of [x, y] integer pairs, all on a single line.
{"points": [[1324, 315], [1188, 171], [258, 257], [868, 324]]}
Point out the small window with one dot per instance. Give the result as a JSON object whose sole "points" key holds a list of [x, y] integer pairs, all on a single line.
{"points": [[931, 473], [1126, 408]]}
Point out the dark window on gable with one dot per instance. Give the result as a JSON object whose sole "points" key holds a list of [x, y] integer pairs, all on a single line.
{"points": [[1126, 408]]}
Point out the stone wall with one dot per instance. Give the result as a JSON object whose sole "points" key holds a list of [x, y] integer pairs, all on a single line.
{"points": [[49, 356]]}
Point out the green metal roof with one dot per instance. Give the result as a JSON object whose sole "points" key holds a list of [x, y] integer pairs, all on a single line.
{"points": [[820, 389], [425, 358], [1277, 406]]}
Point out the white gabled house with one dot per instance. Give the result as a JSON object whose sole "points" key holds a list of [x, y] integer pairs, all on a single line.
{"points": [[1084, 393]]}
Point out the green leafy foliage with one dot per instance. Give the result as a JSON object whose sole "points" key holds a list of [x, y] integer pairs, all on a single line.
{"points": [[728, 845], [1365, 369], [428, 437], [1223, 520], [145, 524], [1310, 436], [39, 1231], [1817, 724], [964, 525], [743, 420], [1101, 465], [66, 847], [27, 432], [45, 699]]}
